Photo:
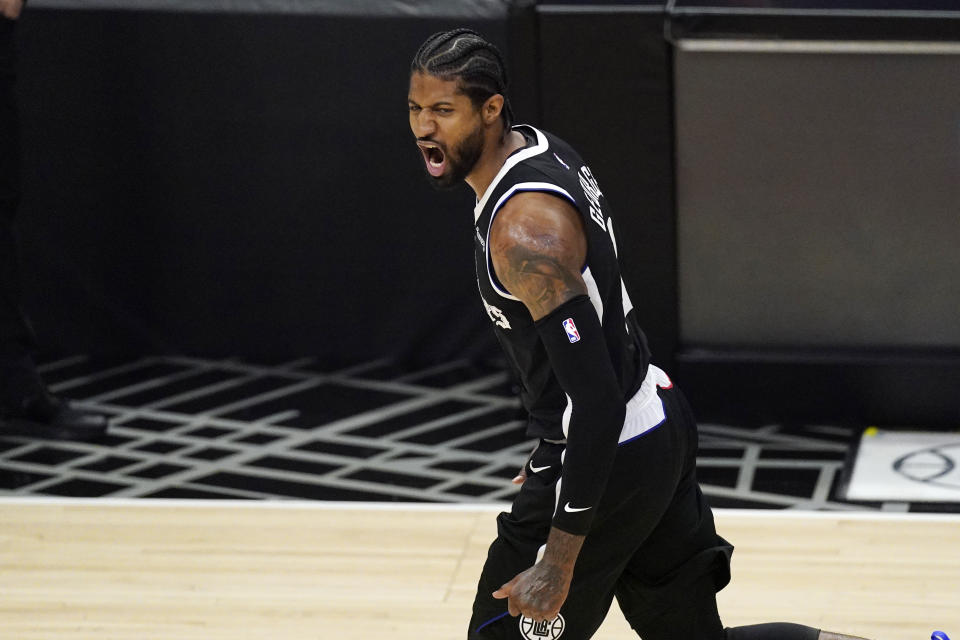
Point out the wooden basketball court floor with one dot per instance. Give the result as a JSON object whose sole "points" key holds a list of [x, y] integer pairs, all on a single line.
{"points": [[109, 568]]}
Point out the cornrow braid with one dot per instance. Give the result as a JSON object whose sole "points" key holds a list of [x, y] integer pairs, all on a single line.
{"points": [[477, 65]]}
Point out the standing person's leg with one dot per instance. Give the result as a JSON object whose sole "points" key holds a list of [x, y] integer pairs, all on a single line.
{"points": [[16, 337], [26, 406]]}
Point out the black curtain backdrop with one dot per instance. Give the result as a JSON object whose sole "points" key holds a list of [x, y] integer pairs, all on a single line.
{"points": [[606, 87], [227, 183]]}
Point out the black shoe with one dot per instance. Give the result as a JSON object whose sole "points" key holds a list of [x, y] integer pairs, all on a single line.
{"points": [[46, 416]]}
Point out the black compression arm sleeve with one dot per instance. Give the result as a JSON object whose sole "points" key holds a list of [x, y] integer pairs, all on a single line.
{"points": [[574, 341]]}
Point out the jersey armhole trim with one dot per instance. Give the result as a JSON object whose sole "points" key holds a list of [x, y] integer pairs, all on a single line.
{"points": [[541, 145]]}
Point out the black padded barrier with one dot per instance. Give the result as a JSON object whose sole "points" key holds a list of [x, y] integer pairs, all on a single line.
{"points": [[237, 177]]}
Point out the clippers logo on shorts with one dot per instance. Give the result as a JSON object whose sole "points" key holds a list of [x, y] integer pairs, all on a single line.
{"points": [[572, 334], [542, 630]]}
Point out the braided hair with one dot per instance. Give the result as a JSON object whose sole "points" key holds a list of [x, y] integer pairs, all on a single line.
{"points": [[477, 65]]}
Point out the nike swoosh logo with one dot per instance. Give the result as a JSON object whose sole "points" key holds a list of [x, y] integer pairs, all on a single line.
{"points": [[570, 509], [534, 469]]}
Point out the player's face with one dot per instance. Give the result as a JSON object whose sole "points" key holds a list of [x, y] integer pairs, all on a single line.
{"points": [[448, 128]]}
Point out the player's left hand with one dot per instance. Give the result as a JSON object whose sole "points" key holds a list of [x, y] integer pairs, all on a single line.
{"points": [[538, 592], [521, 476]]}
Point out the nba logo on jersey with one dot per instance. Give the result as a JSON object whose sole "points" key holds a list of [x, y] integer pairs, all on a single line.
{"points": [[572, 334]]}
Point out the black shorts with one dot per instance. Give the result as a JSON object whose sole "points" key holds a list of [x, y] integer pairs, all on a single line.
{"points": [[653, 544]]}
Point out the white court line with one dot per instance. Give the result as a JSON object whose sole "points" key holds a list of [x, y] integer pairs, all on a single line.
{"points": [[480, 507], [59, 364], [743, 436], [779, 500], [828, 472], [426, 373], [767, 463], [277, 418], [239, 462], [143, 385], [748, 468], [360, 368], [291, 369], [895, 507], [406, 433], [94, 376]]}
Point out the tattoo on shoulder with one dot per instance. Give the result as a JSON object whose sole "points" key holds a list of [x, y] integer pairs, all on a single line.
{"points": [[540, 279]]}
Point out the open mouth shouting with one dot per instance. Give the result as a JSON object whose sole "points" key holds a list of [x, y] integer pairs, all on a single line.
{"points": [[434, 156]]}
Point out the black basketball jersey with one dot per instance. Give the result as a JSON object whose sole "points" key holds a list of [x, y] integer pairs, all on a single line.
{"points": [[549, 165]]}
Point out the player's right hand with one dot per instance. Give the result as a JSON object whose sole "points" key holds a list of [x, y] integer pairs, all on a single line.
{"points": [[538, 592]]}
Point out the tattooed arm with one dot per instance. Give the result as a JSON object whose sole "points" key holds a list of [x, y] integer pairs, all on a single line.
{"points": [[541, 590], [538, 246]]}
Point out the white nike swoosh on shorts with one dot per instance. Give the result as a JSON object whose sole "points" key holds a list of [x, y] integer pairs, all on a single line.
{"points": [[534, 469], [570, 509]]}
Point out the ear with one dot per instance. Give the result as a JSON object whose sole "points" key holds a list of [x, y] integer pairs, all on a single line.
{"points": [[491, 109]]}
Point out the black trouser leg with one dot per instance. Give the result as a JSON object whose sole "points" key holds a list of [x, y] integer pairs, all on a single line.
{"points": [[12, 324], [17, 372]]}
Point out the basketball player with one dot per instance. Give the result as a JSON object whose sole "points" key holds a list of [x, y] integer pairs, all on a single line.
{"points": [[610, 506]]}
